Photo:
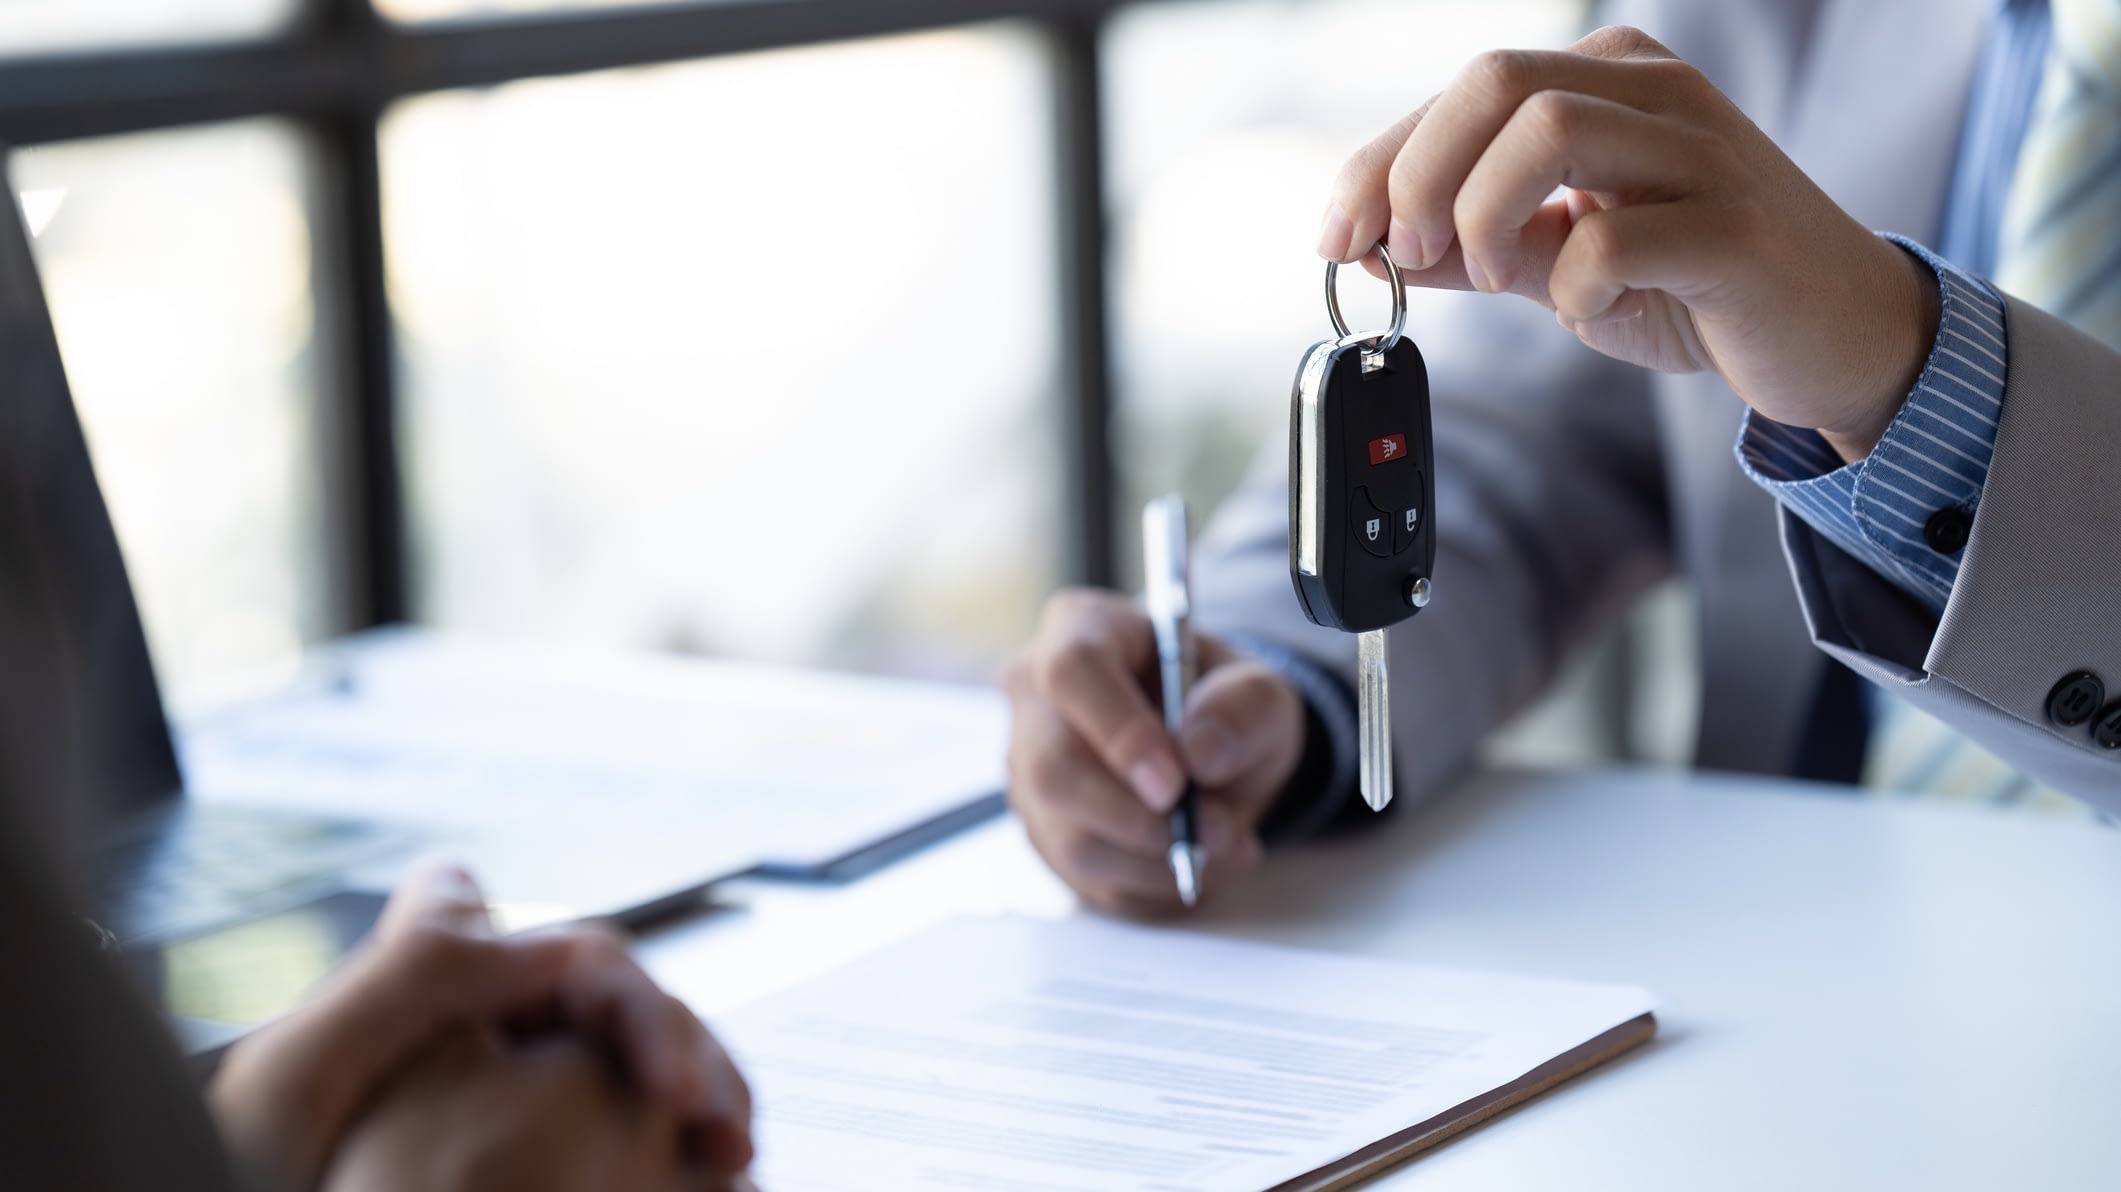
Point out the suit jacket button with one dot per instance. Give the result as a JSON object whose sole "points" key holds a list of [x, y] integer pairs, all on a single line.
{"points": [[2107, 730], [2075, 698], [1947, 529]]}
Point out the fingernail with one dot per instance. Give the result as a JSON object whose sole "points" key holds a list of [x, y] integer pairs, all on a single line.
{"points": [[1405, 244], [1478, 276], [1334, 233], [1157, 780], [1210, 749]]}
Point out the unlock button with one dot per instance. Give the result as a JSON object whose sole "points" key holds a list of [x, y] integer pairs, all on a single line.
{"points": [[1406, 518], [1373, 526]]}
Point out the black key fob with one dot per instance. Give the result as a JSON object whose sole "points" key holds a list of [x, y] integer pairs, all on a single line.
{"points": [[1361, 483]]}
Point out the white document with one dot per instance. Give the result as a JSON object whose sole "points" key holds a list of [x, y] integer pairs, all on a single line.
{"points": [[783, 765], [1014, 1054]]}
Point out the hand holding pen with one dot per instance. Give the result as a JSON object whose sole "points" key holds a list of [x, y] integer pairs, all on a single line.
{"points": [[1095, 770]]}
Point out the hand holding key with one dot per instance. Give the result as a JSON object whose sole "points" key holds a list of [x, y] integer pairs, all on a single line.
{"points": [[1613, 184], [1093, 772]]}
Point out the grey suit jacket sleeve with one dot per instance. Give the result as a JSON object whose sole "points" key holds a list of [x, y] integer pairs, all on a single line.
{"points": [[2039, 588], [1550, 517]]}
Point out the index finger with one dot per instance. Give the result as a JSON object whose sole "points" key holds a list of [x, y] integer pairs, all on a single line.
{"points": [[1091, 666], [1402, 192]]}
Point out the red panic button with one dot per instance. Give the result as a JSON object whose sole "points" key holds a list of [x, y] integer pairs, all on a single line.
{"points": [[1387, 449]]}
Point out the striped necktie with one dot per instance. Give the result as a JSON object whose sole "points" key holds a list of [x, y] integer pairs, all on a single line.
{"points": [[2061, 241], [2059, 248]]}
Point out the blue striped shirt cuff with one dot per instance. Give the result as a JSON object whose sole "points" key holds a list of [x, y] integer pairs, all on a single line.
{"points": [[1934, 456]]}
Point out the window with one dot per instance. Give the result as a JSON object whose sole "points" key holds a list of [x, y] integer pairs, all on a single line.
{"points": [[43, 26], [178, 268], [752, 356]]}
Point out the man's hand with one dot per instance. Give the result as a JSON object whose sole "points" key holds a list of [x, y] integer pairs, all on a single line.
{"points": [[286, 1096], [1682, 238], [548, 1115], [1093, 772]]}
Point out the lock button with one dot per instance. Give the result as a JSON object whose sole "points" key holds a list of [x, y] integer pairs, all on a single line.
{"points": [[1373, 526]]}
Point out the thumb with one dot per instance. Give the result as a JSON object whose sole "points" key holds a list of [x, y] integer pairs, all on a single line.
{"points": [[1243, 731]]}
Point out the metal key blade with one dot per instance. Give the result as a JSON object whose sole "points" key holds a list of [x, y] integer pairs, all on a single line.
{"points": [[1373, 700]]}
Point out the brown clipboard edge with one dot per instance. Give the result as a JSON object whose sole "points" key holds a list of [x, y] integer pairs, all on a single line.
{"points": [[1373, 1160]]}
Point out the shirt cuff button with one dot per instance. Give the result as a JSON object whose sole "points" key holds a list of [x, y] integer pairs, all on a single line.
{"points": [[1947, 529], [2075, 699], [2106, 731]]}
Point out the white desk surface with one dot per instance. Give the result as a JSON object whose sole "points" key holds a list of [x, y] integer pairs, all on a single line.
{"points": [[1858, 993]]}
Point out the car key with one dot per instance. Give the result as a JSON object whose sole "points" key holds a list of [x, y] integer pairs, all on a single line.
{"points": [[1362, 535]]}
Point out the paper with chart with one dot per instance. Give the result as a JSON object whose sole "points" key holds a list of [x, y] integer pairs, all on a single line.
{"points": [[1013, 1054], [794, 766]]}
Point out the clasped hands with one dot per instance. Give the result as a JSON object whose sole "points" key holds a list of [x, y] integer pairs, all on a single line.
{"points": [[1612, 184], [442, 1057]]}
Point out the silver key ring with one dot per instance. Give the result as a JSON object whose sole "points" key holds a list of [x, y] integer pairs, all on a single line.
{"points": [[1389, 339]]}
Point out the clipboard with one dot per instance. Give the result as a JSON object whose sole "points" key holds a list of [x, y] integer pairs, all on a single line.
{"points": [[1079, 1052], [1387, 1153]]}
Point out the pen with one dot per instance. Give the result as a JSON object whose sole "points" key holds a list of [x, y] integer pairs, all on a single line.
{"points": [[1169, 597]]}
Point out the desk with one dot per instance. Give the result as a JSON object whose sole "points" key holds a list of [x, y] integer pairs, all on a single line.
{"points": [[1859, 993]]}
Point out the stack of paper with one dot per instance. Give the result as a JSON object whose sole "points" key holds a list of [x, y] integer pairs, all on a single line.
{"points": [[795, 770], [1014, 1053]]}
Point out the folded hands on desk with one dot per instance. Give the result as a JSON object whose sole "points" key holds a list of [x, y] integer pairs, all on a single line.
{"points": [[442, 1057]]}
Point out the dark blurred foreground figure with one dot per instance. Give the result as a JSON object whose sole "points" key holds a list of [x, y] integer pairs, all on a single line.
{"points": [[93, 1094], [438, 1057]]}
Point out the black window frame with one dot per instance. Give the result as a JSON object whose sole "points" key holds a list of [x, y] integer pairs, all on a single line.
{"points": [[339, 67]]}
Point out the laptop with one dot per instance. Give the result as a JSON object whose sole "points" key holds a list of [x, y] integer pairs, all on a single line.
{"points": [[229, 908]]}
